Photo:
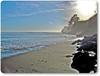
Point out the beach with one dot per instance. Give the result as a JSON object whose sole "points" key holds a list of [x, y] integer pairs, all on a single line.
{"points": [[46, 36], [50, 59]]}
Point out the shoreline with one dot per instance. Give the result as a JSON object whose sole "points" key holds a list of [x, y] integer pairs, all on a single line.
{"points": [[50, 59], [32, 50]]}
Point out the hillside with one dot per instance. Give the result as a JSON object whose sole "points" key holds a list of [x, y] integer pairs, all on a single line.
{"points": [[87, 27]]}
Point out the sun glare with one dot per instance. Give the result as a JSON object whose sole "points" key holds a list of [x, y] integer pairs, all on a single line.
{"points": [[86, 8]]}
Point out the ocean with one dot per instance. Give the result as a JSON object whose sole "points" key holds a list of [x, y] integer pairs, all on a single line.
{"points": [[15, 43]]}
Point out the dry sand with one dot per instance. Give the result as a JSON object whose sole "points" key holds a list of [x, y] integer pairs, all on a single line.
{"points": [[51, 59]]}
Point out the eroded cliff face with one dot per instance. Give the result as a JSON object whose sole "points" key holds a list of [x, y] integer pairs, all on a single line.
{"points": [[66, 29], [87, 27]]}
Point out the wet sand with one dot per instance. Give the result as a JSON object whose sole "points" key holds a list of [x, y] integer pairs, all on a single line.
{"points": [[54, 58]]}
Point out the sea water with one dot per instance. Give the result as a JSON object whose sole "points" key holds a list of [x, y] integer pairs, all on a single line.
{"points": [[15, 43]]}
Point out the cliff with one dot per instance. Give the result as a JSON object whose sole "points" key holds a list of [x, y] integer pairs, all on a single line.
{"points": [[87, 27]]}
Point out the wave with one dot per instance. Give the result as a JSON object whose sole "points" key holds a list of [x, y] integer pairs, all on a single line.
{"points": [[13, 43]]}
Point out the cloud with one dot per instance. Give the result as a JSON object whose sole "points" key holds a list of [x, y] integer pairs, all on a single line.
{"points": [[51, 22], [39, 12]]}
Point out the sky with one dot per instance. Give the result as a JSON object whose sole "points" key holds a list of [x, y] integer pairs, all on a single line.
{"points": [[35, 16]]}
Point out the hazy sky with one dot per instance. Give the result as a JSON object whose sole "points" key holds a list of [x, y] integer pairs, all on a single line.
{"points": [[31, 16], [34, 16]]}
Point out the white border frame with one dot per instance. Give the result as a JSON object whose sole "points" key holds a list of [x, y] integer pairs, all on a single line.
{"points": [[53, 74]]}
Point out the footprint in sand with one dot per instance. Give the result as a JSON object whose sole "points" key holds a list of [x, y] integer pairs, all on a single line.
{"points": [[32, 64], [42, 60], [34, 70], [45, 61], [16, 71], [64, 69], [20, 70]]}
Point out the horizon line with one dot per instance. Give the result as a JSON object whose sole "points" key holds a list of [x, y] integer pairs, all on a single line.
{"points": [[30, 31]]}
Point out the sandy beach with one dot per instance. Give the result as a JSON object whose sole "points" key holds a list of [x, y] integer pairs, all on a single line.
{"points": [[50, 59]]}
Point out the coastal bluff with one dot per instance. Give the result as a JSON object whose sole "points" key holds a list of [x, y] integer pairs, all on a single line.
{"points": [[87, 27]]}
